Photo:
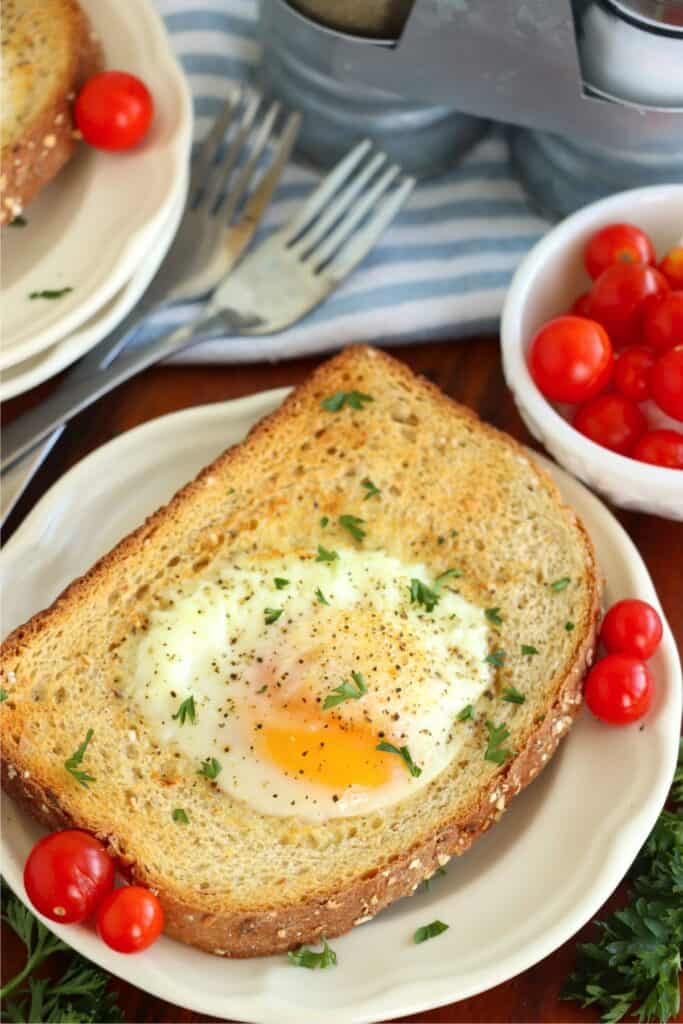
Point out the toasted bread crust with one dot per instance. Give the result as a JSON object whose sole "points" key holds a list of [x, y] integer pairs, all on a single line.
{"points": [[265, 930], [33, 160]]}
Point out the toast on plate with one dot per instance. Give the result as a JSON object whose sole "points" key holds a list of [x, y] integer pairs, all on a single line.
{"points": [[48, 51], [373, 569]]}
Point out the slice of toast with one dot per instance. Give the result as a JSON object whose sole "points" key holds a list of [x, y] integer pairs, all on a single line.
{"points": [[48, 51], [454, 492]]}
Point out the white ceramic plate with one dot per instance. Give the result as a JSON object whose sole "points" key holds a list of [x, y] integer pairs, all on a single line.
{"points": [[45, 364], [523, 889], [108, 205]]}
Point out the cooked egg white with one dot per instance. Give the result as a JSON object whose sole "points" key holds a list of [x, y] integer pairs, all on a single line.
{"points": [[260, 658]]}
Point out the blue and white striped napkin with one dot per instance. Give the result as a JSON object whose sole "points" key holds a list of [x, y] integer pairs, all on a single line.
{"points": [[439, 271]]}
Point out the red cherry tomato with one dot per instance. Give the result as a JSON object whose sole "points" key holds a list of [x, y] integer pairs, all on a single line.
{"points": [[113, 110], [661, 448], [580, 306], [666, 382], [617, 297], [631, 372], [632, 627], [617, 243], [672, 266], [663, 321], [67, 874], [611, 421], [619, 689], [570, 359], [130, 919]]}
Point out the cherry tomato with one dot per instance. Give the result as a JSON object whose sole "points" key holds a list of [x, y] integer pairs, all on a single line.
{"points": [[571, 359], [661, 448], [666, 382], [130, 919], [663, 321], [631, 371], [619, 689], [617, 243], [672, 266], [632, 627], [67, 874], [580, 305], [617, 296], [113, 110], [611, 421]]}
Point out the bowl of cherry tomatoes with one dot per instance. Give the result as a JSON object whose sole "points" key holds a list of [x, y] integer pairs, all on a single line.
{"points": [[592, 345]]}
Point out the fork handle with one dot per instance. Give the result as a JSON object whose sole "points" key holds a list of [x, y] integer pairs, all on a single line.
{"points": [[73, 396]]}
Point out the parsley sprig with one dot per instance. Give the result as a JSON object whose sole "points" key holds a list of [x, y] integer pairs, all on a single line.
{"points": [[346, 691], [495, 751], [354, 524], [305, 957], [354, 400], [403, 752], [326, 556], [512, 695], [429, 931], [50, 293], [420, 593], [494, 616], [271, 615], [371, 491], [210, 769], [186, 712], [71, 764]]}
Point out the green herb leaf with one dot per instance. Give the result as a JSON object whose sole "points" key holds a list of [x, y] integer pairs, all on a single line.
{"points": [[493, 615], [529, 649], [18, 222], [447, 575], [496, 658], [346, 691], [403, 752], [180, 816], [305, 957], [513, 696], [353, 525], [454, 533], [569, 626], [371, 490], [324, 521], [497, 736], [321, 597], [354, 399], [560, 584], [50, 293], [429, 931], [3, 694], [467, 713], [420, 593], [326, 556], [263, 688], [71, 764], [271, 615], [186, 712], [280, 583], [427, 882], [440, 539], [210, 768]]}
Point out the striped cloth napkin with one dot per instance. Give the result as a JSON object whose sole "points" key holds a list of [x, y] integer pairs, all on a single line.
{"points": [[440, 270]]}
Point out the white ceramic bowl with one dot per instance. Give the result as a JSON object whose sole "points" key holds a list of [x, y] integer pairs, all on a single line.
{"points": [[545, 285]]}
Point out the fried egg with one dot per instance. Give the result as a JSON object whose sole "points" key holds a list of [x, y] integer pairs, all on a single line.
{"points": [[321, 688]]}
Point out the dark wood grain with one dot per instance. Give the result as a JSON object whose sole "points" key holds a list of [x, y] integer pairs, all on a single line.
{"points": [[471, 373]]}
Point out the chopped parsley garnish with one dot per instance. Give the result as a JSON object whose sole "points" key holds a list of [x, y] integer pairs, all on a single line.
{"points": [[441, 539], [454, 533], [494, 749], [420, 593], [466, 713], [305, 957], [71, 764], [186, 712], [210, 768], [560, 584], [371, 490], [326, 556], [403, 752], [263, 688], [324, 520], [180, 816], [353, 525], [337, 401], [447, 575], [529, 649], [493, 615], [496, 658], [18, 222], [346, 691], [3, 695], [50, 293], [569, 626], [271, 615], [321, 597], [280, 583], [512, 695], [429, 931]]}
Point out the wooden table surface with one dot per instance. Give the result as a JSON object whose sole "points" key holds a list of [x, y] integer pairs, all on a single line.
{"points": [[471, 373]]}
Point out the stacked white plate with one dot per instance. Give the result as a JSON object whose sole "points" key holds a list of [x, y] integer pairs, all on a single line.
{"points": [[104, 225]]}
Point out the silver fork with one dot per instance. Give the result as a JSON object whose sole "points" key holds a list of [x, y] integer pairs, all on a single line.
{"points": [[272, 288], [206, 246]]}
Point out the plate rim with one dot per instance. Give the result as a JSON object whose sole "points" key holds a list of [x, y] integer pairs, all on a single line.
{"points": [[399, 997]]}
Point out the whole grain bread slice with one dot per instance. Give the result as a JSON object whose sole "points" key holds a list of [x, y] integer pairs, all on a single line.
{"points": [[454, 492], [48, 51]]}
